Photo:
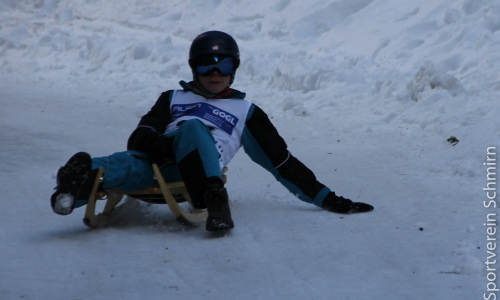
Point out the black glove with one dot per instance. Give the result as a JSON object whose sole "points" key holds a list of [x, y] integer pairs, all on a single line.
{"points": [[162, 151], [342, 205]]}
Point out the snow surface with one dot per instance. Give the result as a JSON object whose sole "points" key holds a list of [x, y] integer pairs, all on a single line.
{"points": [[366, 93]]}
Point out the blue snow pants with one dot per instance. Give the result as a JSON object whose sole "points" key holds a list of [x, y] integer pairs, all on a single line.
{"points": [[196, 160]]}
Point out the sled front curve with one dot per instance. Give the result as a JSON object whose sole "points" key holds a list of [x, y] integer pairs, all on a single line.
{"points": [[90, 218]]}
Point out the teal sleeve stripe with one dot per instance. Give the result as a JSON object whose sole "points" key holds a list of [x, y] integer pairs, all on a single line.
{"points": [[318, 200], [253, 149], [256, 153]]}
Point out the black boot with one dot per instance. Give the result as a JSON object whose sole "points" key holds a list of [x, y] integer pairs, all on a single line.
{"points": [[342, 205], [217, 202], [72, 183]]}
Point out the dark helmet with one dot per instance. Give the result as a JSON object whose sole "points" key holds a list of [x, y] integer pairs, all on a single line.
{"points": [[214, 42]]}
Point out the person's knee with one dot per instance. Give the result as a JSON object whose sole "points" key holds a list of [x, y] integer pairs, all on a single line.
{"points": [[193, 125]]}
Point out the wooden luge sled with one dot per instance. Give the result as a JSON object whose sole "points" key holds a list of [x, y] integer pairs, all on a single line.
{"points": [[171, 193]]}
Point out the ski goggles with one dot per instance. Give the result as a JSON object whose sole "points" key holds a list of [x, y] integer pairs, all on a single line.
{"points": [[207, 64]]}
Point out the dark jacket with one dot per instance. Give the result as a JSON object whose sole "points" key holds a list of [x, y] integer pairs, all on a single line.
{"points": [[260, 140]]}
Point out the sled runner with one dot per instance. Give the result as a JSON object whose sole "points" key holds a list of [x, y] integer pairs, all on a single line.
{"points": [[170, 193]]}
